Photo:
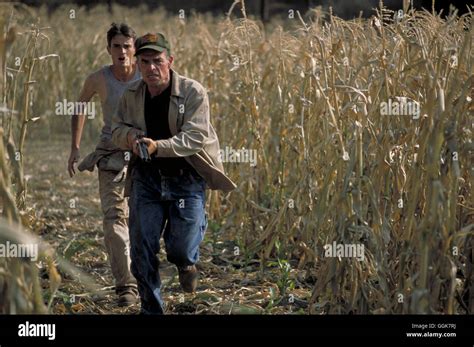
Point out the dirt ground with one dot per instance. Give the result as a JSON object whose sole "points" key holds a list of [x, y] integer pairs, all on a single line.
{"points": [[68, 216]]}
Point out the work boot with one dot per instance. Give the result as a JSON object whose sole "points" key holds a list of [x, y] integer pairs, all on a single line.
{"points": [[188, 278], [127, 296]]}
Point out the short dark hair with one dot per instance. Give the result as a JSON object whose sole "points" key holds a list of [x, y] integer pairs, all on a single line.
{"points": [[120, 29]]}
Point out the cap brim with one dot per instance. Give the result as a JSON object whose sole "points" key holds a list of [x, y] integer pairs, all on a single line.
{"points": [[152, 47]]}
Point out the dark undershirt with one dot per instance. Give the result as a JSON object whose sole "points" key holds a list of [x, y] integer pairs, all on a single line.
{"points": [[157, 125]]}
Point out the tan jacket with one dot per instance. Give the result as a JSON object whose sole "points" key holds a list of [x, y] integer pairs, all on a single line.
{"points": [[115, 158], [193, 136]]}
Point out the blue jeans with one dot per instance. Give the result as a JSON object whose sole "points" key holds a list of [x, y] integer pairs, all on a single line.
{"points": [[170, 205]]}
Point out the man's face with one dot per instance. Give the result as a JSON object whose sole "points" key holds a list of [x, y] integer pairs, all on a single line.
{"points": [[155, 67], [122, 50]]}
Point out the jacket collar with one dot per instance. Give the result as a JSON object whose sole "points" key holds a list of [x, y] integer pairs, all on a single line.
{"points": [[176, 89]]}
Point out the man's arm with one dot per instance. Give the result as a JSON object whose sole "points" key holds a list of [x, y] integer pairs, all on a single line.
{"points": [[124, 135], [77, 121]]}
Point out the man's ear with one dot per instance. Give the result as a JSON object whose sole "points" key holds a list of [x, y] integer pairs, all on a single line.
{"points": [[170, 60]]}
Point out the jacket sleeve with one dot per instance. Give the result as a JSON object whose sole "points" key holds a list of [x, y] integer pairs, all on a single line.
{"points": [[120, 128], [195, 130]]}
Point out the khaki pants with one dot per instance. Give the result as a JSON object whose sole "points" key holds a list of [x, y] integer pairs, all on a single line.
{"points": [[116, 237]]}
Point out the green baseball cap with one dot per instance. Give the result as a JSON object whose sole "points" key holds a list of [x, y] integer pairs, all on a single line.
{"points": [[156, 42]]}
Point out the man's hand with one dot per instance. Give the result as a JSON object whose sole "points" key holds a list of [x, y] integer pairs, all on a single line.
{"points": [[133, 138], [73, 159], [150, 144]]}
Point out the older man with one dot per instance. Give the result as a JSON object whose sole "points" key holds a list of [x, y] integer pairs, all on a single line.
{"points": [[170, 114]]}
